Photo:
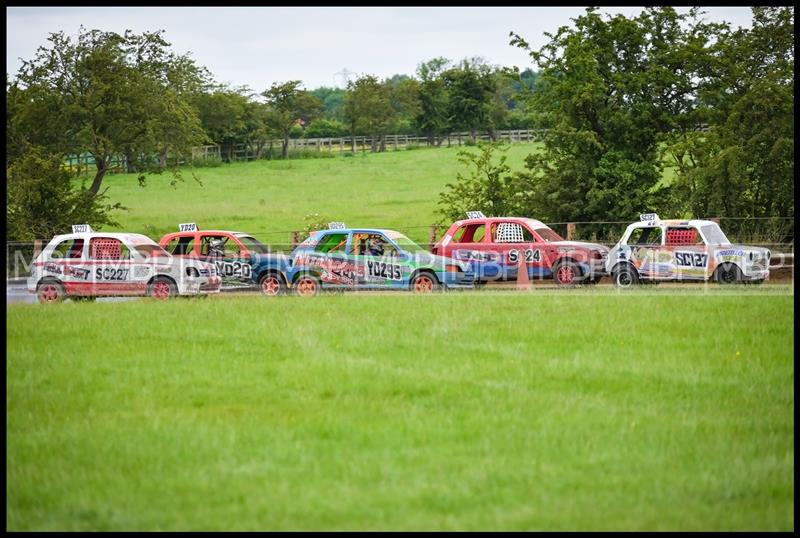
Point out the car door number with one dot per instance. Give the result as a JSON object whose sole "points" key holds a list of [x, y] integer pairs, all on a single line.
{"points": [[531, 255]]}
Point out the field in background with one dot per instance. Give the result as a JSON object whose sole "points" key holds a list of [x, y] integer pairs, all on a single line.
{"points": [[395, 190], [581, 409]]}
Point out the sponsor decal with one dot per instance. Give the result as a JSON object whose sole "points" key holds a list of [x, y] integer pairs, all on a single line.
{"points": [[730, 252], [531, 255], [333, 271], [78, 272], [381, 270], [691, 259], [111, 273], [52, 268], [234, 269], [473, 255]]}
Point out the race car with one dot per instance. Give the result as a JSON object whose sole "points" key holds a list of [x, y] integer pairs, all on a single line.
{"points": [[241, 260], [497, 246], [87, 264], [369, 258], [654, 250]]}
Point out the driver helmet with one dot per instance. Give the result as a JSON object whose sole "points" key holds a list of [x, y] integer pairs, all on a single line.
{"points": [[216, 248]]}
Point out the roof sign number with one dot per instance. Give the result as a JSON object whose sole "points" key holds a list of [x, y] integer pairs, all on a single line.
{"points": [[81, 228], [648, 217], [336, 226], [475, 215], [187, 227]]}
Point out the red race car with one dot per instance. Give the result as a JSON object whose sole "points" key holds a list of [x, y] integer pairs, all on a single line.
{"points": [[495, 246]]}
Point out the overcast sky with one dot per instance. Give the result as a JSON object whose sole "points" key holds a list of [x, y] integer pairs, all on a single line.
{"points": [[258, 46]]}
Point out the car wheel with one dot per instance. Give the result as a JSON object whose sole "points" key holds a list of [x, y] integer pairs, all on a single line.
{"points": [[162, 288], [728, 273], [424, 283], [625, 276], [271, 285], [567, 274], [50, 292], [307, 286]]}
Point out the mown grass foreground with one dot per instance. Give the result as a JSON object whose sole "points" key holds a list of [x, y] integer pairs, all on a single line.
{"points": [[457, 411]]}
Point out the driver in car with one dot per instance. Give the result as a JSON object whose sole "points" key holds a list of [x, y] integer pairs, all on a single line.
{"points": [[375, 246]]}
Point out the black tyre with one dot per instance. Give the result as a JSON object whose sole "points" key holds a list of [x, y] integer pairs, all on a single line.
{"points": [[625, 276], [307, 286], [50, 291], [271, 284], [162, 288], [728, 273], [425, 282]]}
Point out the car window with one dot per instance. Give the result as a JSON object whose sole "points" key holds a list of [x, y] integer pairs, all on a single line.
{"points": [[510, 232], [71, 248], [220, 246], [332, 243], [683, 236], [253, 245], [108, 248], [548, 234], [372, 244], [181, 246], [715, 235], [469, 233], [645, 236]]}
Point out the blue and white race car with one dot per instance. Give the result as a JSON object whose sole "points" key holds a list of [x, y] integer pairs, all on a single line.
{"points": [[369, 258]]}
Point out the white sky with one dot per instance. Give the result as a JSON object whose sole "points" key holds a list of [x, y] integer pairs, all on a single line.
{"points": [[256, 46]]}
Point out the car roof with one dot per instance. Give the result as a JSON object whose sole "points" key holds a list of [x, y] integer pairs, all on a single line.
{"points": [[358, 230], [89, 235], [491, 220], [672, 222]]}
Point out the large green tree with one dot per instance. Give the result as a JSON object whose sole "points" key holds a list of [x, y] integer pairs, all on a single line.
{"points": [[608, 89], [290, 103], [108, 95], [368, 107], [433, 113], [471, 88], [742, 164]]}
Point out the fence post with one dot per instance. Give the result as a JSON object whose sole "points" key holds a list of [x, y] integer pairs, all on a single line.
{"points": [[295, 239], [570, 231], [432, 236], [714, 219]]}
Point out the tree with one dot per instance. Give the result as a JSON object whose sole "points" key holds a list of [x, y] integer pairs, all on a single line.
{"points": [[289, 103], [486, 188], [222, 114], [608, 89], [433, 115], [43, 200], [108, 94], [368, 106], [471, 88], [743, 165]]}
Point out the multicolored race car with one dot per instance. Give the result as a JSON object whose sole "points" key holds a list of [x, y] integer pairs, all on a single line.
{"points": [[87, 264], [498, 245], [683, 250], [241, 260], [368, 258]]}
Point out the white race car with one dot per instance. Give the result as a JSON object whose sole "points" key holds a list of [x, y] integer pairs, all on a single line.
{"points": [[658, 250], [87, 264]]}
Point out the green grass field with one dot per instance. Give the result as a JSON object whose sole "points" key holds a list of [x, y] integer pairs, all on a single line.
{"points": [[397, 190], [550, 410]]}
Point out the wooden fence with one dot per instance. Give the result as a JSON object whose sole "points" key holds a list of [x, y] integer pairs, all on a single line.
{"points": [[272, 148]]}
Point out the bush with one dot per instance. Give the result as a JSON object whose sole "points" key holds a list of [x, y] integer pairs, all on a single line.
{"points": [[322, 128], [43, 201]]}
